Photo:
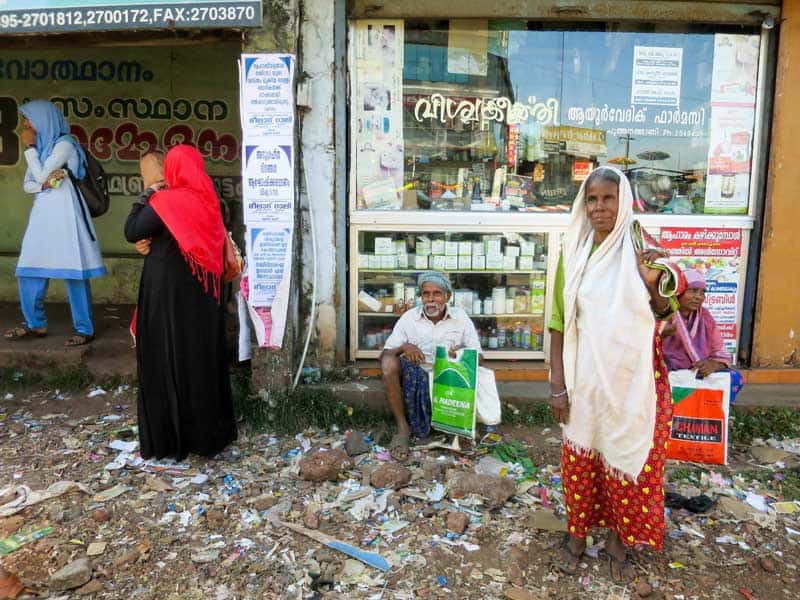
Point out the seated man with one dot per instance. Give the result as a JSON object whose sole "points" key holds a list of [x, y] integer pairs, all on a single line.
{"points": [[692, 339], [411, 345]]}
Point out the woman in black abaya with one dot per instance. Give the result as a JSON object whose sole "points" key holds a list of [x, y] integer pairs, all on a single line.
{"points": [[185, 402]]}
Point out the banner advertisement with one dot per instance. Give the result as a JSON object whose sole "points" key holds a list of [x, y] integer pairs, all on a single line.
{"points": [[37, 16], [268, 169], [142, 99], [717, 253], [453, 398], [656, 76]]}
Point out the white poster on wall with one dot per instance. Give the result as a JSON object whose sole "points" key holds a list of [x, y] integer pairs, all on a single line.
{"points": [[377, 112], [733, 107], [268, 188], [656, 76]]}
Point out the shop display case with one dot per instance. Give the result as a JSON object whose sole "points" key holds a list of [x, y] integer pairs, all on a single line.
{"points": [[499, 279]]}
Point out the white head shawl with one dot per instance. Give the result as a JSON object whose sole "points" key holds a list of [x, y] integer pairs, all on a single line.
{"points": [[608, 341]]}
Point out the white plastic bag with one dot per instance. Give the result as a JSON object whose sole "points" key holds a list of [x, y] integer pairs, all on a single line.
{"points": [[487, 400]]}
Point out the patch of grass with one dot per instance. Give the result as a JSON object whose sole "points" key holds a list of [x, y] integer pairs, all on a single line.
{"points": [[70, 377], [13, 378], [785, 482], [283, 411], [779, 423], [534, 414]]}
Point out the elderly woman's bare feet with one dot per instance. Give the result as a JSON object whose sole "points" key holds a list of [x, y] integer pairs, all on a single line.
{"points": [[619, 565], [569, 554]]}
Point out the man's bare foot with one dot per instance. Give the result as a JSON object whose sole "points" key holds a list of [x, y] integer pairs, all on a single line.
{"points": [[399, 446]]}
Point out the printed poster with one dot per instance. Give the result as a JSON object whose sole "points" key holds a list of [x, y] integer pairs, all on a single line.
{"points": [[267, 99], [717, 253], [733, 103], [268, 188], [377, 111], [268, 183], [656, 76]]}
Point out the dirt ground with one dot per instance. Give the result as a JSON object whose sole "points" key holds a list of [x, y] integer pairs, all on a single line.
{"points": [[202, 529]]}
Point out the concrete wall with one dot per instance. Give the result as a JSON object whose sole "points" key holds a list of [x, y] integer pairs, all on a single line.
{"points": [[318, 162], [776, 341]]}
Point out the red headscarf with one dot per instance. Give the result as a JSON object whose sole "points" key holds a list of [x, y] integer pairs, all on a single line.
{"points": [[189, 207]]}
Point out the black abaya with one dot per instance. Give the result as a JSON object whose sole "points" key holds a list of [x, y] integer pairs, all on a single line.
{"points": [[184, 402]]}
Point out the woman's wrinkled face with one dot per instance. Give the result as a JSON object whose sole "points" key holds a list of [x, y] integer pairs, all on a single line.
{"points": [[692, 299], [602, 204], [26, 124]]}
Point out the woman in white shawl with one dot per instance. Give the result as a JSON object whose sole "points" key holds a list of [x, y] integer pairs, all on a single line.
{"points": [[608, 382]]}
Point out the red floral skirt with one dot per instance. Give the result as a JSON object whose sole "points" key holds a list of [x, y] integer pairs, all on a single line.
{"points": [[596, 498]]}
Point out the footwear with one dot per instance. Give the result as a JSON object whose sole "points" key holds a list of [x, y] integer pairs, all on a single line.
{"points": [[78, 339], [22, 332]]}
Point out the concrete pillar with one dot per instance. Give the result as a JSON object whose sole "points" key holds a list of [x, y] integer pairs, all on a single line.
{"points": [[777, 319], [272, 370]]}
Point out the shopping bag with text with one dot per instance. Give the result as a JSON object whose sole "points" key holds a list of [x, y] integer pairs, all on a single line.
{"points": [[700, 417], [453, 397]]}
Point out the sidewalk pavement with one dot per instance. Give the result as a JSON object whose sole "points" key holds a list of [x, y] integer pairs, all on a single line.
{"points": [[111, 354]]}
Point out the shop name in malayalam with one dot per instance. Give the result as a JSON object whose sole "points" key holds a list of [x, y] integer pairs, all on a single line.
{"points": [[479, 110]]}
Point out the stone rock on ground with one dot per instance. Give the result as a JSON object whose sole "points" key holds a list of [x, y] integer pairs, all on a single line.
{"points": [[322, 465], [643, 589], [390, 475], [74, 575], [311, 520], [93, 587], [767, 455], [494, 490], [355, 444], [457, 522]]}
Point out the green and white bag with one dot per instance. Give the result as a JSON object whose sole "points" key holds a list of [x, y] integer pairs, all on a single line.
{"points": [[454, 389]]}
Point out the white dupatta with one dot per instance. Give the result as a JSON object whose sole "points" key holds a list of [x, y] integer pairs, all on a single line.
{"points": [[608, 342]]}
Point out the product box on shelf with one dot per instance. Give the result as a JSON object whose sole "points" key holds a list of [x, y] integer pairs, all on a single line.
{"points": [[465, 248], [512, 251], [509, 263], [367, 303], [494, 247], [400, 247], [363, 261], [527, 248], [464, 263], [478, 249], [437, 247], [494, 262], [389, 262], [525, 263], [421, 261], [451, 263], [423, 245], [402, 261], [384, 245], [451, 248], [479, 263], [438, 262], [374, 261]]}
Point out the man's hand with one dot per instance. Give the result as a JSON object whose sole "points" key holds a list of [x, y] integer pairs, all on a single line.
{"points": [[28, 136], [452, 352], [413, 354], [707, 367], [560, 407], [143, 247]]}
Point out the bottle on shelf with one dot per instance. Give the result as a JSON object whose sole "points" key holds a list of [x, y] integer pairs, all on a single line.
{"points": [[501, 337], [526, 337], [493, 341]]}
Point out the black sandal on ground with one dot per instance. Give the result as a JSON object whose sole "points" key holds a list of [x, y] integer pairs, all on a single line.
{"points": [[23, 332], [567, 561], [78, 340]]}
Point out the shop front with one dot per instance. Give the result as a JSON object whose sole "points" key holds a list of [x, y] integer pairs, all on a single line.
{"points": [[130, 77], [470, 136]]}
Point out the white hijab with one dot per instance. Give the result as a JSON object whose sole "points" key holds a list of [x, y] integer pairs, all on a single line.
{"points": [[608, 341]]}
